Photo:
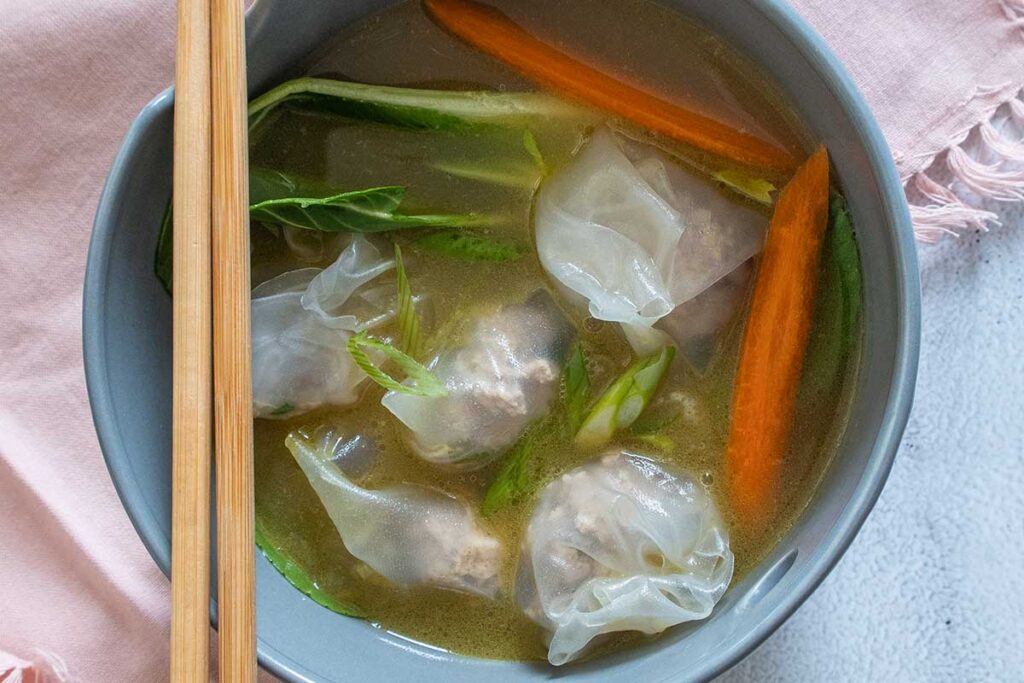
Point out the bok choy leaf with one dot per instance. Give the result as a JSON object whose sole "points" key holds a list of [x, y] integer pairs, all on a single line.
{"points": [[751, 187], [471, 246], [264, 184], [164, 261], [838, 309], [530, 144], [298, 578], [268, 183], [371, 210], [283, 409], [519, 175], [274, 201], [411, 107]]}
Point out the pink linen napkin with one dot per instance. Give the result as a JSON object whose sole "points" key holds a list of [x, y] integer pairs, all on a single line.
{"points": [[77, 589], [944, 78], [74, 579]]}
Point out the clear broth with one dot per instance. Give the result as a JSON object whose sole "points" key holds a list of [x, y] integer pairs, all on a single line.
{"points": [[401, 46]]}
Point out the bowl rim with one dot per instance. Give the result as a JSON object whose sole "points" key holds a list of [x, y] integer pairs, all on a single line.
{"points": [[812, 47]]}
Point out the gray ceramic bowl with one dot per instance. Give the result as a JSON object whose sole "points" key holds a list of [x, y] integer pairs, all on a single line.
{"points": [[127, 323]]}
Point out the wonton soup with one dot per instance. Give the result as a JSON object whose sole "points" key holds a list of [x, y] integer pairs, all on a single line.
{"points": [[555, 320]]}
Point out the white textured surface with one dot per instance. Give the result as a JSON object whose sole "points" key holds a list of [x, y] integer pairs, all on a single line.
{"points": [[933, 587]]}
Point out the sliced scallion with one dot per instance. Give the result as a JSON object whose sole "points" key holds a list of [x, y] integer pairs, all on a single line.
{"points": [[623, 401]]}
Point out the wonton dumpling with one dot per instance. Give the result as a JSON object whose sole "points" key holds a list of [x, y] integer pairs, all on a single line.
{"points": [[301, 321], [620, 544], [408, 534], [694, 327], [635, 234], [502, 379]]}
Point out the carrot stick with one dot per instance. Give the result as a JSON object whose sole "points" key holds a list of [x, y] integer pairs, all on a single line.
{"points": [[492, 32], [774, 342]]}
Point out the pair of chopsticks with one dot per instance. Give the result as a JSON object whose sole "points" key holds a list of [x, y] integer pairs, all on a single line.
{"points": [[212, 345]]}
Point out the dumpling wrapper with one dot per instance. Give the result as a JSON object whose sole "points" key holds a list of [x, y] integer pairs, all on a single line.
{"points": [[410, 535], [636, 234], [696, 325], [620, 544], [500, 380], [338, 295], [301, 321]]}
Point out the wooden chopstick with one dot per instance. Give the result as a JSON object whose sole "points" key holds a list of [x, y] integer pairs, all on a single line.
{"points": [[190, 497], [232, 352]]}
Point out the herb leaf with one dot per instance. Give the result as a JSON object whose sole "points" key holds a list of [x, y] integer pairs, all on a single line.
{"points": [[410, 107], [424, 382], [470, 246], [371, 210], [294, 574], [623, 401], [576, 382], [408, 321]]}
